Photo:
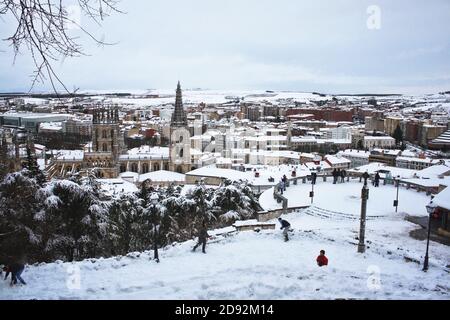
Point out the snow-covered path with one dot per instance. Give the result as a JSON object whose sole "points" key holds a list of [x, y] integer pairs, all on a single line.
{"points": [[251, 265]]}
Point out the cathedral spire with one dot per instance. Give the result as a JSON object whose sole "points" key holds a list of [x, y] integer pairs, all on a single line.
{"points": [[179, 116]]}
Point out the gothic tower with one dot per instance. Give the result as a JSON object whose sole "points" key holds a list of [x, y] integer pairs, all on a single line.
{"points": [[106, 143], [180, 144]]}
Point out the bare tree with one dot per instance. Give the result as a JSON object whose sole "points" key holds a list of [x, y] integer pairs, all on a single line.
{"points": [[43, 28]]}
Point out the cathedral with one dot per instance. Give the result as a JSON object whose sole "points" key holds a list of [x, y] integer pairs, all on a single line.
{"points": [[180, 144], [107, 156], [107, 144]]}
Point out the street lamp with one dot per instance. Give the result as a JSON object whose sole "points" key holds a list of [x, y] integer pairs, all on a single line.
{"points": [[362, 226], [154, 198], [313, 182], [397, 181], [431, 207]]}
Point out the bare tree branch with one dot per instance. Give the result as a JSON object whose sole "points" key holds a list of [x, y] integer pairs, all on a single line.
{"points": [[43, 28]]}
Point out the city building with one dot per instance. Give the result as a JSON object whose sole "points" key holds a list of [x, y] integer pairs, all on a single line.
{"points": [[31, 121], [370, 142]]}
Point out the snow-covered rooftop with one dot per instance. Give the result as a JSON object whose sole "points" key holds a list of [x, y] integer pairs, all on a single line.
{"points": [[442, 199], [434, 171], [162, 176], [146, 153]]}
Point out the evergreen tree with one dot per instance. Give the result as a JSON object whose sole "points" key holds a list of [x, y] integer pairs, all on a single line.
{"points": [[127, 231], [234, 201], [4, 158], [75, 220], [398, 135], [18, 207], [33, 168], [360, 145]]}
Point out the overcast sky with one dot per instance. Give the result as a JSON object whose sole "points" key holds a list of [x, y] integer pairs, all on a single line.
{"points": [[296, 45]]}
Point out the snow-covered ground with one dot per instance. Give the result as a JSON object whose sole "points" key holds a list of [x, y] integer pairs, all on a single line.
{"points": [[215, 97], [259, 265], [346, 198], [251, 265]]}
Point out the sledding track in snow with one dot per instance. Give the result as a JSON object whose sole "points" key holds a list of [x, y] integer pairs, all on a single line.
{"points": [[334, 215]]}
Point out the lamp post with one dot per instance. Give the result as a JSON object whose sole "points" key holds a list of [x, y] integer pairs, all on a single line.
{"points": [[362, 226], [154, 198], [431, 207], [397, 181], [313, 182]]}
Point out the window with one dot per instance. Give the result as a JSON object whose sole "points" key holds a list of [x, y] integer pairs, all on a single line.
{"points": [[104, 134], [105, 147]]}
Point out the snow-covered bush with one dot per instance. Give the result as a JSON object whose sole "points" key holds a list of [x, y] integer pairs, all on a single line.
{"points": [[73, 221], [18, 205]]}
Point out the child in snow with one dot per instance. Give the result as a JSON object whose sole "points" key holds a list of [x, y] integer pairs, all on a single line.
{"points": [[322, 260]]}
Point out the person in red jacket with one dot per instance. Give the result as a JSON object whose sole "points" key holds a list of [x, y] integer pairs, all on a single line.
{"points": [[322, 260]]}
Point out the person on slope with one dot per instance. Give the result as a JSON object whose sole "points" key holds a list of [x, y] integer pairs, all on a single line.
{"points": [[285, 226], [7, 271], [16, 269], [322, 260], [202, 237]]}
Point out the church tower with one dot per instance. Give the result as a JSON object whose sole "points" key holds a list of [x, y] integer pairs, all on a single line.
{"points": [[180, 143], [106, 143]]}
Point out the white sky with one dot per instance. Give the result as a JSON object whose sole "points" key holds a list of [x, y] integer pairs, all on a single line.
{"points": [[299, 45]]}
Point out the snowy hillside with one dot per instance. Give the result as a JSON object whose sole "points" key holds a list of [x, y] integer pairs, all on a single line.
{"points": [[259, 265]]}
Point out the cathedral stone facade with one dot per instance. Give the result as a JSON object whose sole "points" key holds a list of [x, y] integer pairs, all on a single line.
{"points": [[107, 144], [107, 157]]}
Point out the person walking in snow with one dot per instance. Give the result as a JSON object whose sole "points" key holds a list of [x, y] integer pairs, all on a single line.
{"points": [[377, 180], [334, 176], [281, 186], [7, 271], [16, 269], [322, 260], [16, 273], [202, 237], [285, 226], [343, 175]]}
